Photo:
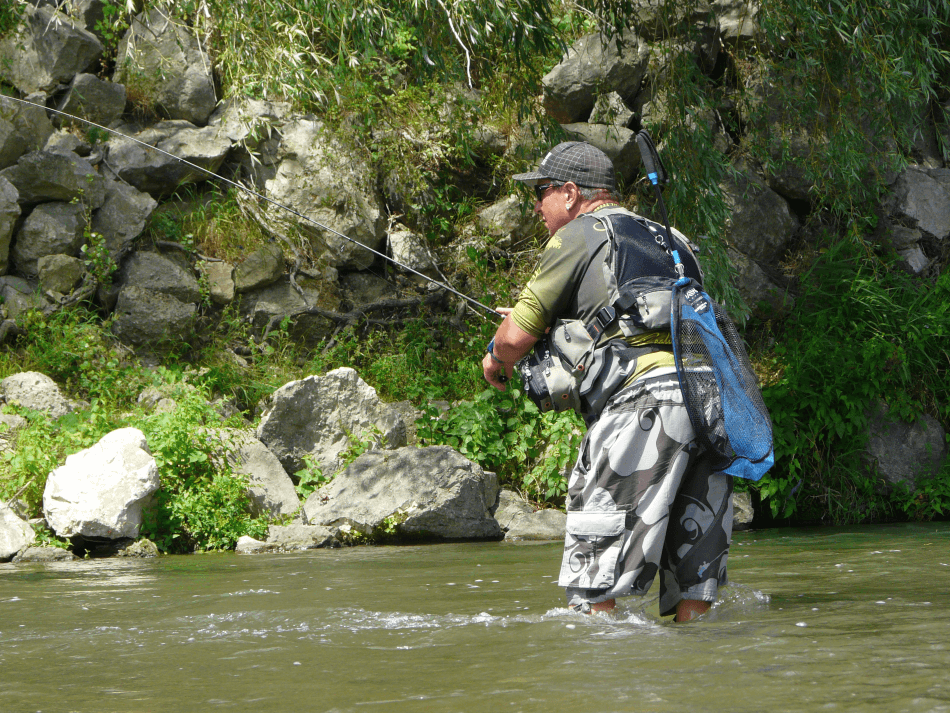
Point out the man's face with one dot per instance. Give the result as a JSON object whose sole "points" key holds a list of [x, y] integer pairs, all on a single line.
{"points": [[551, 204]]}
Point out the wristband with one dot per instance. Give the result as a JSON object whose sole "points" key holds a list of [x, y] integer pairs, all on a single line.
{"points": [[491, 351]]}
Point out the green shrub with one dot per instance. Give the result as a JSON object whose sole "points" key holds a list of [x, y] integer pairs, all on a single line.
{"points": [[200, 504], [74, 348], [505, 433], [861, 332]]}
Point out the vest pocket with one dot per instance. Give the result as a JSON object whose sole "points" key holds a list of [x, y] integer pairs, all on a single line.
{"points": [[591, 549]]}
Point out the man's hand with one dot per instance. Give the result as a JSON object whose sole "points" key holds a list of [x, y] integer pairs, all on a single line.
{"points": [[494, 372], [511, 343]]}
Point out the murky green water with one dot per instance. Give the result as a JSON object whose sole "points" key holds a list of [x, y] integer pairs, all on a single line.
{"points": [[815, 620]]}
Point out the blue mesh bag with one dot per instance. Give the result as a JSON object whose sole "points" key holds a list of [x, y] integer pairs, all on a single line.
{"points": [[719, 387]]}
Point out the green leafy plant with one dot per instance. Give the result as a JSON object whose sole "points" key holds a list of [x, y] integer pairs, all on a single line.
{"points": [[309, 478], [99, 261], [505, 433], [114, 23], [200, 504], [75, 349], [11, 15], [370, 439]]}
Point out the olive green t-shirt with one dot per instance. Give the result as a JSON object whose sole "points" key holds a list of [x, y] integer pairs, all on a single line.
{"points": [[568, 283]]}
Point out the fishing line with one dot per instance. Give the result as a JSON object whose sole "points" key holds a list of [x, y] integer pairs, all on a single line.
{"points": [[261, 197]]}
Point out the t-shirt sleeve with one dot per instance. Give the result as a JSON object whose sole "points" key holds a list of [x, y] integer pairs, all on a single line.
{"points": [[550, 289]]}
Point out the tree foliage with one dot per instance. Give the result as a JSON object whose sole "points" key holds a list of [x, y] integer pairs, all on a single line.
{"points": [[309, 51]]}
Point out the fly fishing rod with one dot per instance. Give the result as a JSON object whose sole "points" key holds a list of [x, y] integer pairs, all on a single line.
{"points": [[261, 197]]}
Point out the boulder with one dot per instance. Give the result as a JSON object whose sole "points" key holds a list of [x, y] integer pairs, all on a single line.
{"points": [[9, 214], [315, 417], [91, 98], [289, 538], [161, 173], [902, 452], [923, 199], [15, 533], [738, 21], [363, 288], [914, 259], [410, 249], [432, 492], [791, 152], [19, 296], [122, 217], [328, 182], [302, 537], [261, 268], [590, 67], [51, 229], [65, 142], [249, 121], [44, 555], [676, 28], [23, 128], [611, 109], [507, 221], [522, 521], [764, 298], [271, 490], [158, 273], [264, 306], [47, 50], [220, 279], [99, 492], [152, 319], [60, 273], [35, 391], [162, 60], [10, 426], [41, 176], [124, 548], [251, 126], [88, 14], [247, 545], [742, 511], [760, 223]]}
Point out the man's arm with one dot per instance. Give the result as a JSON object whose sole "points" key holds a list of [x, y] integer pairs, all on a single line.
{"points": [[511, 343]]}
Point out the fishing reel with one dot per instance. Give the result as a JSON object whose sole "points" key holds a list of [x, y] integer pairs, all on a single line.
{"points": [[546, 382]]}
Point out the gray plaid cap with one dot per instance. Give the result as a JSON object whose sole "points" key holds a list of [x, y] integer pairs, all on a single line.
{"points": [[574, 161]]}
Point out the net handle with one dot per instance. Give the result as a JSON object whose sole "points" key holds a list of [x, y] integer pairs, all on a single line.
{"points": [[658, 176]]}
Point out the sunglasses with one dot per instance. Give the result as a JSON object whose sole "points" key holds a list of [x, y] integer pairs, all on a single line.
{"points": [[539, 190]]}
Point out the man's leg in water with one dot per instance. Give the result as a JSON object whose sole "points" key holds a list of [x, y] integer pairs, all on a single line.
{"points": [[690, 609], [687, 608], [642, 501]]}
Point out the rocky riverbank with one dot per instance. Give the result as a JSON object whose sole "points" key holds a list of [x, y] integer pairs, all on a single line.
{"points": [[75, 203]]}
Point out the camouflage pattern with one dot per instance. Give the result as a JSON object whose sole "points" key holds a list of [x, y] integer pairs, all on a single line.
{"points": [[642, 500]]}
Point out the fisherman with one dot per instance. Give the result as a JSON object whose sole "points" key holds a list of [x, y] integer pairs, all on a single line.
{"points": [[642, 497]]}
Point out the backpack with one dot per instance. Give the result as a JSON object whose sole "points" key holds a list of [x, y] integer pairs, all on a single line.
{"points": [[572, 369]]}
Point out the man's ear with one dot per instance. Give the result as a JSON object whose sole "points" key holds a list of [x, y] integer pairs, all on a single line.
{"points": [[572, 197]]}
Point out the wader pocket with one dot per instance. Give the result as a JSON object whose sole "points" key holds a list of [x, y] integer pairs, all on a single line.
{"points": [[591, 549]]}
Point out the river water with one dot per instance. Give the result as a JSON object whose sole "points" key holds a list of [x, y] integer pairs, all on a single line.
{"points": [[854, 619]]}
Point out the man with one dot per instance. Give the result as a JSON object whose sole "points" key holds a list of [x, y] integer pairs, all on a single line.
{"points": [[641, 498]]}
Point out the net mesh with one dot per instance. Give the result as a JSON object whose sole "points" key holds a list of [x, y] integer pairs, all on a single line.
{"points": [[720, 389]]}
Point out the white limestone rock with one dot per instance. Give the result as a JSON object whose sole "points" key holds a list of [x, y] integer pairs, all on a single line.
{"points": [[100, 491]]}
